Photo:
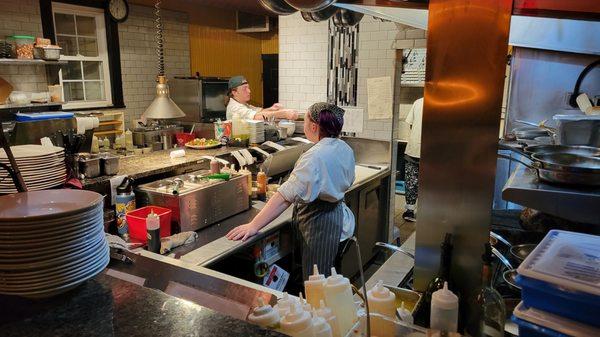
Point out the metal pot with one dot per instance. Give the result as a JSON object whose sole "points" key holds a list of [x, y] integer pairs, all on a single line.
{"points": [[307, 16], [279, 7], [587, 151], [337, 19], [351, 18], [324, 14], [568, 162], [310, 5]]}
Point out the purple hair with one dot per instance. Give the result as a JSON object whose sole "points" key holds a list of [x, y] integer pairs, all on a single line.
{"points": [[330, 126]]}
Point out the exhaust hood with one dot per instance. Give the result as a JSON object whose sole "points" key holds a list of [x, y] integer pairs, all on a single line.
{"points": [[407, 16]]}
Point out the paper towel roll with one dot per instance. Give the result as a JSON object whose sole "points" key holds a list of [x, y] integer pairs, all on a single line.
{"points": [[86, 123]]}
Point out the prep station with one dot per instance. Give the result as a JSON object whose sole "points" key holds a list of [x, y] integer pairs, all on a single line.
{"points": [[116, 195]]}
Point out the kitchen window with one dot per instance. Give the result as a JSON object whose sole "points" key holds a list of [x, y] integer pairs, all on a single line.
{"points": [[81, 32]]}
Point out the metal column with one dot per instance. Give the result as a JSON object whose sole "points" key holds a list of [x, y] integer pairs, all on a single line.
{"points": [[467, 47]]}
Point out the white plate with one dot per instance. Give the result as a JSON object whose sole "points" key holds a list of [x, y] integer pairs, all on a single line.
{"points": [[40, 205], [36, 160], [50, 221], [31, 151], [38, 242], [38, 181], [202, 147]]}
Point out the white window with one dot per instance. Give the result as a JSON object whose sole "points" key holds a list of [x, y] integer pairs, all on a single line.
{"points": [[81, 33]]}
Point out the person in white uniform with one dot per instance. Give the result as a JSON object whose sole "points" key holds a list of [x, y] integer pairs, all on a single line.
{"points": [[316, 187], [239, 95], [412, 155]]}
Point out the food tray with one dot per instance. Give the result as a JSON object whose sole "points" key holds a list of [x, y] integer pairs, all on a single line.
{"points": [[536, 323], [199, 147]]}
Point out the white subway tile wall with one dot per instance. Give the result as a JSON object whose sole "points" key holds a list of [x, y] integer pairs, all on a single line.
{"points": [[138, 55], [303, 66], [22, 18]]}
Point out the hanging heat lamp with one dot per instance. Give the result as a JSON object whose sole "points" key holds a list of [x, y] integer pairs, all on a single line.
{"points": [[162, 107]]}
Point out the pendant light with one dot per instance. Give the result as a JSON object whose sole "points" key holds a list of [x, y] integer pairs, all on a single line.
{"points": [[162, 107]]}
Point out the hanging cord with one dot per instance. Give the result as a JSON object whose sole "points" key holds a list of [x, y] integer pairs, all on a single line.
{"points": [[159, 40], [364, 285]]}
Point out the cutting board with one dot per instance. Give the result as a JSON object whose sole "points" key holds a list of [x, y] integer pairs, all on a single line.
{"points": [[5, 90]]}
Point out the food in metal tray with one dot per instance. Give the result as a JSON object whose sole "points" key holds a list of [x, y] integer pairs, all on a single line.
{"points": [[203, 142]]}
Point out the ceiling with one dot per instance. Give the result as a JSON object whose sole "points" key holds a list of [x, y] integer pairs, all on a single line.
{"points": [[249, 6]]}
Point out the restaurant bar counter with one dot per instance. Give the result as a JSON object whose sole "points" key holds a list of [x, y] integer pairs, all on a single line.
{"points": [[107, 306]]}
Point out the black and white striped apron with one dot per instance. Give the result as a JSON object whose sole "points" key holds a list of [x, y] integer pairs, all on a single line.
{"points": [[319, 224]]}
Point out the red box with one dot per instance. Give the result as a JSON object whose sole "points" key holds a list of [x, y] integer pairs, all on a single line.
{"points": [[136, 220], [184, 137]]}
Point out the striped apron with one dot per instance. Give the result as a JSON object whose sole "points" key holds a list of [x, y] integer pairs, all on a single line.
{"points": [[319, 225]]}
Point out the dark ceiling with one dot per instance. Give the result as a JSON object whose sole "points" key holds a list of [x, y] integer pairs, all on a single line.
{"points": [[250, 6]]}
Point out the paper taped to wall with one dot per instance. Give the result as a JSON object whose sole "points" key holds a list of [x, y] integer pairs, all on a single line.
{"points": [[380, 99], [353, 119]]}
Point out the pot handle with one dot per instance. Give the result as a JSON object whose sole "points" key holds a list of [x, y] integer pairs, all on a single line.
{"points": [[536, 166]]}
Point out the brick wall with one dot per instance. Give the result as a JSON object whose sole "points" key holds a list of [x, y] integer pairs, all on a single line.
{"points": [[303, 67], [138, 55], [22, 18], [302, 61]]}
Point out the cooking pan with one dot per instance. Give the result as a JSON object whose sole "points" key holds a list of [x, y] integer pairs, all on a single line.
{"points": [[279, 7], [568, 162], [324, 14], [588, 151], [307, 16], [562, 174], [520, 252], [310, 5], [530, 132], [509, 277], [351, 18]]}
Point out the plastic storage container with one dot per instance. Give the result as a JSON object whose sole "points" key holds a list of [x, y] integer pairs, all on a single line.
{"points": [[561, 276], [535, 323], [578, 129], [22, 46], [136, 220]]}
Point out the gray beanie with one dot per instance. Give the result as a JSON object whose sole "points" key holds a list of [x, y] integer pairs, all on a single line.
{"points": [[315, 111]]}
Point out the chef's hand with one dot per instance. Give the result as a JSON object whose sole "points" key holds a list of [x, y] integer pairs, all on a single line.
{"points": [[243, 232], [277, 106], [292, 115]]}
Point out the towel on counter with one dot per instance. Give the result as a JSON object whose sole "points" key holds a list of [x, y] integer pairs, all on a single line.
{"points": [[179, 239]]}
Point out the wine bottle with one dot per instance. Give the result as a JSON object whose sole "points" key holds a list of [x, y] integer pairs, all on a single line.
{"points": [[443, 275], [487, 311]]}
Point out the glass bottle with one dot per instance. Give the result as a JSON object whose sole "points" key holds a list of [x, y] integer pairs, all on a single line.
{"points": [[487, 311]]}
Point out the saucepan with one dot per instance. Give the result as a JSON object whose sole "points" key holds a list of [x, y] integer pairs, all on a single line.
{"points": [[520, 252], [279, 7]]}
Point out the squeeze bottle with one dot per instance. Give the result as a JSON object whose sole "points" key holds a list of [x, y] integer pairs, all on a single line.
{"points": [[314, 287], [444, 310], [297, 323], [264, 315], [338, 296]]}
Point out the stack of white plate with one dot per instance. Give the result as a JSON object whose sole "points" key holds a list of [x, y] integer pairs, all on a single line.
{"points": [[42, 167], [256, 130], [50, 241]]}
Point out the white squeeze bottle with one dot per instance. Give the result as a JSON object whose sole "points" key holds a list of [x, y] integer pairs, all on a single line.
{"points": [[264, 315], [305, 305], [382, 300], [284, 304], [338, 296], [314, 286], [320, 326], [444, 310], [297, 323], [328, 315], [405, 315]]}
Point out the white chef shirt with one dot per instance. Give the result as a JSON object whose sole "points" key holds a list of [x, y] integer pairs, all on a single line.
{"points": [[244, 111], [414, 119], [325, 172]]}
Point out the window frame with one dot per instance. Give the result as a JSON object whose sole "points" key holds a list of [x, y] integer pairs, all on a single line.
{"points": [[103, 54]]}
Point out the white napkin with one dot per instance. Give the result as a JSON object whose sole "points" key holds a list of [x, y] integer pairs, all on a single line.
{"points": [[176, 240]]}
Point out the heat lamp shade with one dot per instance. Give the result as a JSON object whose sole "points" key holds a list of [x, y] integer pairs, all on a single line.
{"points": [[163, 107]]}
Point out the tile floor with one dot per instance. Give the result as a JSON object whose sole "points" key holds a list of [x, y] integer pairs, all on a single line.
{"points": [[406, 228]]}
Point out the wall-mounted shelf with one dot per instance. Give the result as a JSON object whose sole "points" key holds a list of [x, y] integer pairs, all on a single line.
{"points": [[30, 62], [31, 105], [109, 132], [111, 123]]}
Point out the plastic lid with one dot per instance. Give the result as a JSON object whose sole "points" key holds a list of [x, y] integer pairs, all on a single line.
{"points": [[381, 292], [324, 311], [554, 322], [444, 298], [316, 276], [296, 320], [566, 259], [335, 279]]}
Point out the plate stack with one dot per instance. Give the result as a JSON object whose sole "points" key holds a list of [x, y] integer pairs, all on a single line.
{"points": [[256, 129], [50, 241], [42, 167]]}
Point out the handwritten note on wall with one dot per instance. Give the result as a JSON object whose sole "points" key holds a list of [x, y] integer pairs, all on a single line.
{"points": [[353, 119], [380, 98]]}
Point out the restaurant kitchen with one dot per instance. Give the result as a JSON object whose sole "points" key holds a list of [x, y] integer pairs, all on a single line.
{"points": [[107, 173]]}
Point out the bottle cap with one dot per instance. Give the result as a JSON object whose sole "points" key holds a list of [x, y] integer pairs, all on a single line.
{"points": [[335, 279], [316, 276], [444, 298], [324, 311], [381, 292]]}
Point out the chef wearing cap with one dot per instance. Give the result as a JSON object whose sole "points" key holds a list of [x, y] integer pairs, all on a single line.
{"points": [[239, 96], [316, 187]]}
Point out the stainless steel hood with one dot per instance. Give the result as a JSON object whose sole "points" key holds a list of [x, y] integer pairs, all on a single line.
{"points": [[407, 16]]}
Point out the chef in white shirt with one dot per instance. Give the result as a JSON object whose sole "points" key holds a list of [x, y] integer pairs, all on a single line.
{"points": [[239, 95], [316, 187]]}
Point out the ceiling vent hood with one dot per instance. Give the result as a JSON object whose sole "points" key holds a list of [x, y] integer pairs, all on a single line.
{"points": [[407, 16]]}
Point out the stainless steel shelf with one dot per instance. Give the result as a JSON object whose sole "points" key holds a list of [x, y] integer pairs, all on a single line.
{"points": [[572, 203], [31, 105], [30, 62]]}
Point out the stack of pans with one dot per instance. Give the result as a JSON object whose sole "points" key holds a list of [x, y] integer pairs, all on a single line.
{"points": [[564, 164], [50, 241]]}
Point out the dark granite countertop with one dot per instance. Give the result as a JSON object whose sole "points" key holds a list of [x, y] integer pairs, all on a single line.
{"points": [[106, 306]]}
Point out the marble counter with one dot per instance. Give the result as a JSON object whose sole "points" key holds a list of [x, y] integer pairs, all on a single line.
{"points": [[106, 306]]}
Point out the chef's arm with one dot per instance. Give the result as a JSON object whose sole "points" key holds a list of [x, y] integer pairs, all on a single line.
{"points": [[274, 207], [277, 114]]}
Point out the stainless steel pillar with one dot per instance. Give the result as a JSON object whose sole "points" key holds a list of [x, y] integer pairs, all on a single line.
{"points": [[467, 45]]}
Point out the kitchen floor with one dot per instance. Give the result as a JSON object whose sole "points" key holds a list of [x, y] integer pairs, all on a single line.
{"points": [[405, 228]]}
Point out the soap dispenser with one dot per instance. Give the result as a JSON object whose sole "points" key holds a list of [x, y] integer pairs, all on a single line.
{"points": [[314, 287]]}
